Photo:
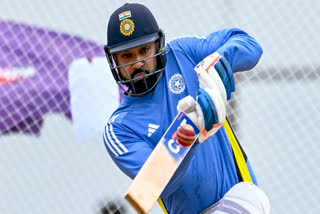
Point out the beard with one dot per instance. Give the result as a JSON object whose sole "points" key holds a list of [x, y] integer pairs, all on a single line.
{"points": [[144, 84]]}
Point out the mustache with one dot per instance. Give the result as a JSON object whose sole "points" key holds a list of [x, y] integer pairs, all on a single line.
{"points": [[137, 71]]}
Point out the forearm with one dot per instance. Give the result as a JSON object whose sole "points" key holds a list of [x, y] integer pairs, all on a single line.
{"points": [[241, 51]]}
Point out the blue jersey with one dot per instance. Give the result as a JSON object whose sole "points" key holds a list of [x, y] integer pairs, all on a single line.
{"points": [[135, 128]]}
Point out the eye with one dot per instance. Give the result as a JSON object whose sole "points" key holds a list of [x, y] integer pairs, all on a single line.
{"points": [[125, 55], [144, 50]]}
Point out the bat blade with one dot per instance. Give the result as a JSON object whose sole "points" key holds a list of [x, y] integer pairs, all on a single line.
{"points": [[157, 171]]}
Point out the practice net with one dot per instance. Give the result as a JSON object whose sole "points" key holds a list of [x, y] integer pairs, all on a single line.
{"points": [[46, 168]]}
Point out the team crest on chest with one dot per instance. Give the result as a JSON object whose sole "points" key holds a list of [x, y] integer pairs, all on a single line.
{"points": [[177, 84], [126, 27]]}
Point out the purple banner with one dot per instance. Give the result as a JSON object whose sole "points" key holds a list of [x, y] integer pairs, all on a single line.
{"points": [[33, 74]]}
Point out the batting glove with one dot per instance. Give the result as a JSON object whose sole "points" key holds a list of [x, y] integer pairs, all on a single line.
{"points": [[208, 113], [215, 69]]}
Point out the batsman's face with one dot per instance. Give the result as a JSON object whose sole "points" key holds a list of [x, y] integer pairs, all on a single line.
{"points": [[133, 57]]}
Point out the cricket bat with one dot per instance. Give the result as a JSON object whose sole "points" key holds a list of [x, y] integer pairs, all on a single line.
{"points": [[157, 171]]}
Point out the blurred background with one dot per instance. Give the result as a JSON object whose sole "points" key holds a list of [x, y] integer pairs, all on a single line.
{"points": [[46, 166]]}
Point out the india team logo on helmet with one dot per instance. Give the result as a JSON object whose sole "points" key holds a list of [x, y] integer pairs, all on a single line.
{"points": [[126, 27]]}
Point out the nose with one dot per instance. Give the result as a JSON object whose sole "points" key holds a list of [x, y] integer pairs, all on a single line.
{"points": [[138, 65]]}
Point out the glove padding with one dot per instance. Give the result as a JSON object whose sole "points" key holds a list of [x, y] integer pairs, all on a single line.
{"points": [[218, 69], [208, 113]]}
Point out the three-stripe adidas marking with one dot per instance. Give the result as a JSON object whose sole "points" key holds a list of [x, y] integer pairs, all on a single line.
{"points": [[111, 140], [152, 128]]}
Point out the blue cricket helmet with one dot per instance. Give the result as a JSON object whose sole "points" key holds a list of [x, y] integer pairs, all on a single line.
{"points": [[131, 26]]}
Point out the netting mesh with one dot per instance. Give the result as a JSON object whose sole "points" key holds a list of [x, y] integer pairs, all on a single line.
{"points": [[34, 70], [275, 110]]}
